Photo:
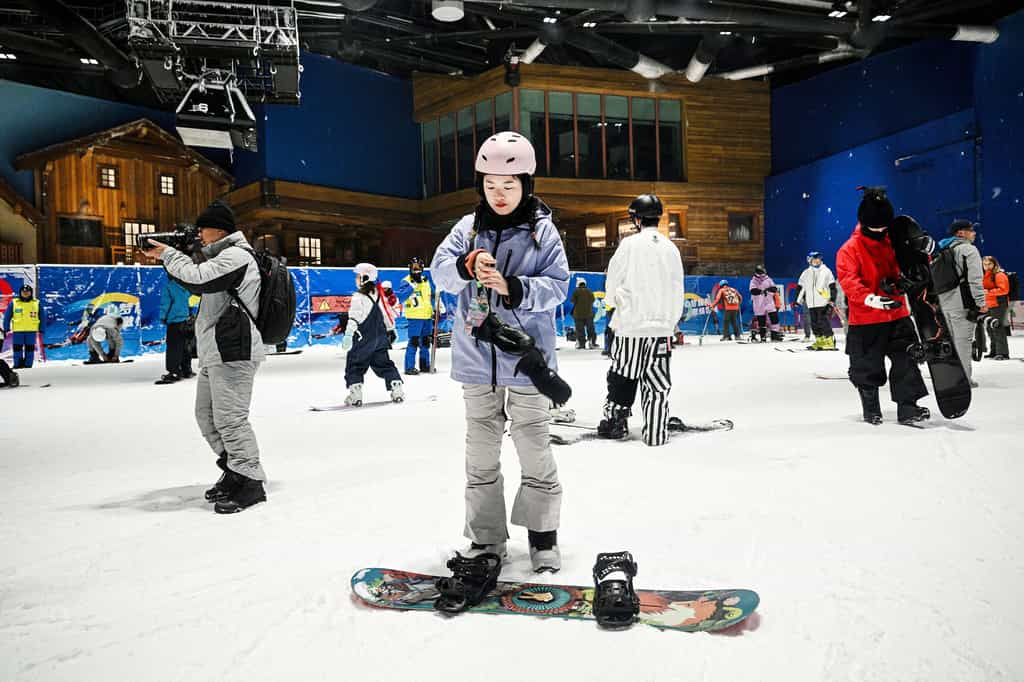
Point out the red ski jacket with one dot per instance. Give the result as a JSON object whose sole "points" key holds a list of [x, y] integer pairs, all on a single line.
{"points": [[861, 265]]}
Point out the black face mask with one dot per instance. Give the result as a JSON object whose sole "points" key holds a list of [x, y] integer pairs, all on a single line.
{"points": [[416, 275]]}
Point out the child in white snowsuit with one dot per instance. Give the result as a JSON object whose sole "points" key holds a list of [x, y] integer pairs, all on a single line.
{"points": [[507, 265], [366, 339]]}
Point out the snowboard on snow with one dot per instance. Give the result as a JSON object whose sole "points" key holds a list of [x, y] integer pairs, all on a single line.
{"points": [[935, 346], [100, 362], [285, 352], [686, 611], [570, 433], [367, 405]]}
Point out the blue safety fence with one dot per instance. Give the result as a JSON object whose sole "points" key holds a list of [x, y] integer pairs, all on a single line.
{"points": [[74, 296]]}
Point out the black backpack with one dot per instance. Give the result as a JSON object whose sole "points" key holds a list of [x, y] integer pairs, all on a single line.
{"points": [[277, 299], [1014, 294], [946, 276]]}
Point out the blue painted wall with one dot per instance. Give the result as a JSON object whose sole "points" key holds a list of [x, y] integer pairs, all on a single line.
{"points": [[866, 100], [353, 130], [32, 118], [945, 139]]}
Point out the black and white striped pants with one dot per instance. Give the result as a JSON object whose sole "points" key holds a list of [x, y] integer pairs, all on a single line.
{"points": [[645, 361]]}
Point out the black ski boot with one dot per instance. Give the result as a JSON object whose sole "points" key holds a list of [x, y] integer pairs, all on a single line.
{"points": [[869, 402], [472, 579], [909, 413], [616, 603], [248, 493], [614, 427], [228, 482], [777, 336]]}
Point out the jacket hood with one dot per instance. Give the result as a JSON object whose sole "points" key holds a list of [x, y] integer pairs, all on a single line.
{"points": [[233, 239]]}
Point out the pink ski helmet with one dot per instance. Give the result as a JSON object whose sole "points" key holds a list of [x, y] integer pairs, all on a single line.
{"points": [[506, 153]]}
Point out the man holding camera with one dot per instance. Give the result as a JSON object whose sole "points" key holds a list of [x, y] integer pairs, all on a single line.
{"points": [[230, 349], [957, 275]]}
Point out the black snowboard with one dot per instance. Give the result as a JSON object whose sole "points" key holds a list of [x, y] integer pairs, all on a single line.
{"points": [[935, 346]]}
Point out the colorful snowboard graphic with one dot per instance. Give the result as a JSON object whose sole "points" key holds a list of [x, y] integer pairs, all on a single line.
{"points": [[688, 611]]}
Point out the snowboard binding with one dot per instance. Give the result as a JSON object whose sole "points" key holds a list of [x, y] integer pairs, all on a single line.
{"points": [[616, 603], [472, 579]]}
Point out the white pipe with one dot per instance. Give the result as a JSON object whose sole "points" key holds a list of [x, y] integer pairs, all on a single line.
{"points": [[532, 52], [976, 34], [695, 70], [765, 69], [651, 68]]}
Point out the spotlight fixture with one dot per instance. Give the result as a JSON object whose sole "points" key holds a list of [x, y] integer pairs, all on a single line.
{"points": [[447, 10], [881, 18]]}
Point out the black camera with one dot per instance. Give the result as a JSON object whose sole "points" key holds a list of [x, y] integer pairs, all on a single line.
{"points": [[183, 238]]}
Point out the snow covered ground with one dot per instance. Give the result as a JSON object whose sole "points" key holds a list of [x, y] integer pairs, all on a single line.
{"points": [[880, 553]]}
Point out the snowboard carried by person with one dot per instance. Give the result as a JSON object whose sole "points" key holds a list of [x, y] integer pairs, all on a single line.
{"points": [[686, 611], [913, 247]]}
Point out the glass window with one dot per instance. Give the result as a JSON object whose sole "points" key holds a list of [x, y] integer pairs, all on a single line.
{"points": [[741, 227], [616, 121], [484, 112], [108, 177], [447, 153], [309, 251], [131, 229], [563, 152], [467, 154], [503, 112], [167, 183], [80, 232], [670, 139], [626, 228], [430, 179], [596, 236], [676, 226], [645, 153], [532, 126], [588, 118]]}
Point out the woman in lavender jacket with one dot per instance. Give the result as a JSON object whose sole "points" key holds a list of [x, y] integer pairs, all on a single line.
{"points": [[506, 261], [762, 296]]}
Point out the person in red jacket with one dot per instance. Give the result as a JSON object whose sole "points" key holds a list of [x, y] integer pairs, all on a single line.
{"points": [[997, 290], [880, 326]]}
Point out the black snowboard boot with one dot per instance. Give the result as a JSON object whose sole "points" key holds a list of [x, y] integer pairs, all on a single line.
{"points": [[228, 482], [472, 579], [869, 401], [168, 378], [412, 371], [614, 427], [777, 336], [544, 552], [909, 413], [248, 493], [14, 381], [616, 603]]}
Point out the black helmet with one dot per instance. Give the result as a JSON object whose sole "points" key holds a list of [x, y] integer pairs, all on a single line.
{"points": [[875, 209], [759, 270], [646, 207], [416, 260], [24, 288]]}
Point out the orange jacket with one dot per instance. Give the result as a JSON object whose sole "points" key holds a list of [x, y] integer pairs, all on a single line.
{"points": [[994, 287], [722, 299]]}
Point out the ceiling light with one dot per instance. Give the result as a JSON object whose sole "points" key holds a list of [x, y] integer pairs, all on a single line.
{"points": [[725, 33], [881, 18], [837, 13], [653, 19], [550, 20], [589, 24], [401, 19], [447, 10]]}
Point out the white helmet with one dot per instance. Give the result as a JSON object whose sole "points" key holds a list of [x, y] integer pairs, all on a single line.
{"points": [[366, 272], [506, 153], [99, 334], [387, 284]]}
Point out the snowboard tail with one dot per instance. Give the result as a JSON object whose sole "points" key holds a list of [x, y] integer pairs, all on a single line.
{"points": [[686, 611]]}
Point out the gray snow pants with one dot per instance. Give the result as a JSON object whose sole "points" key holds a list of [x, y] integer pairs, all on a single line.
{"points": [[539, 500], [223, 395], [962, 331]]}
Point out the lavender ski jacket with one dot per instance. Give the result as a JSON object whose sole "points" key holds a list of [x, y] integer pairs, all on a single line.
{"points": [[764, 302], [538, 260]]}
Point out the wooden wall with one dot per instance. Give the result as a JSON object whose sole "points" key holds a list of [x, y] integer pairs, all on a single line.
{"points": [[71, 187], [727, 134]]}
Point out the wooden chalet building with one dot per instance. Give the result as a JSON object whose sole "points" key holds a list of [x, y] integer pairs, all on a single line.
{"points": [[95, 193]]}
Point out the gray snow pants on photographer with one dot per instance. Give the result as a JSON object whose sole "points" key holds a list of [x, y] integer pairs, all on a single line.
{"points": [[223, 395], [539, 500]]}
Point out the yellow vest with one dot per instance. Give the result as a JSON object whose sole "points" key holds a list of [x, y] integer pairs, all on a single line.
{"points": [[419, 306], [25, 317]]}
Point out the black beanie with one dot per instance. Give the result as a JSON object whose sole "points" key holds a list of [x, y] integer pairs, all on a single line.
{"points": [[218, 216], [875, 209]]}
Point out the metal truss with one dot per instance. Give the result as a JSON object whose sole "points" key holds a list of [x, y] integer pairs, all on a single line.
{"points": [[180, 23]]}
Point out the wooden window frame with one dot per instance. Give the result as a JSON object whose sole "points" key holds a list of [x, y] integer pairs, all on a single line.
{"points": [[79, 216], [100, 167], [309, 258], [755, 225], [129, 249], [160, 184]]}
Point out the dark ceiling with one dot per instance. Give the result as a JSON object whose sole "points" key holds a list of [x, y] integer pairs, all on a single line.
{"points": [[401, 36]]}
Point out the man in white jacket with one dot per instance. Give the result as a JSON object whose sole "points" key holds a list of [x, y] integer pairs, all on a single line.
{"points": [[645, 286], [816, 290]]}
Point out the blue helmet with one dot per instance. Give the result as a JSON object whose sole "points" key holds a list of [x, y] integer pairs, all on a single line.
{"points": [[723, 283], [813, 254]]}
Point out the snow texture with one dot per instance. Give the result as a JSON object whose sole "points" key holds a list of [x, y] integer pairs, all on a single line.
{"points": [[880, 553]]}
